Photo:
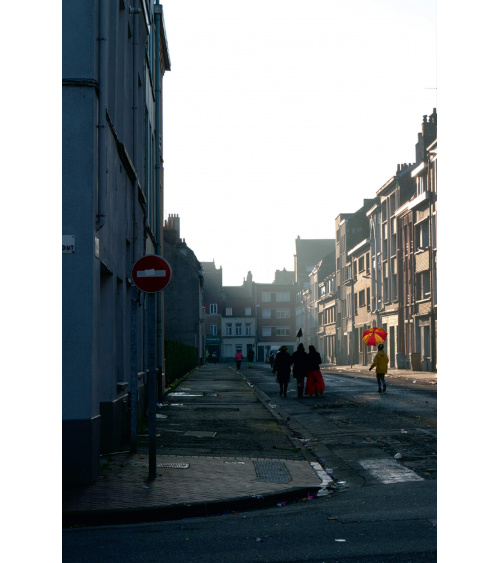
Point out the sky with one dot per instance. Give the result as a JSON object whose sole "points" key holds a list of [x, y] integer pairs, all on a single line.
{"points": [[280, 115]]}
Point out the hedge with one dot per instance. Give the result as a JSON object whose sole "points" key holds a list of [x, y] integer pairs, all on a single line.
{"points": [[179, 359]]}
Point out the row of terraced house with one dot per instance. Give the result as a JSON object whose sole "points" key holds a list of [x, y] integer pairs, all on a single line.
{"points": [[379, 270], [382, 271]]}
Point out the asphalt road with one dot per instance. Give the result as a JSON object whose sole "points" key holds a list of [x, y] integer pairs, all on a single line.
{"points": [[385, 511]]}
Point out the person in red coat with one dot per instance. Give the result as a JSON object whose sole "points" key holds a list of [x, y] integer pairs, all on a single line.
{"points": [[315, 384], [238, 357]]}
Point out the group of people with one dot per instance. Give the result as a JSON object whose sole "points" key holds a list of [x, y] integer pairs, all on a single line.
{"points": [[305, 365]]}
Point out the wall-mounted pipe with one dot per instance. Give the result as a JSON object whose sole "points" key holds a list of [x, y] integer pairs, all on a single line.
{"points": [[101, 125]]}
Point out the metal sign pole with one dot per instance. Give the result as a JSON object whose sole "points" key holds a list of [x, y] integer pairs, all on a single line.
{"points": [[152, 392]]}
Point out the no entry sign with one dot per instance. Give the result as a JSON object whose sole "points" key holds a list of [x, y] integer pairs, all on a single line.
{"points": [[151, 273]]}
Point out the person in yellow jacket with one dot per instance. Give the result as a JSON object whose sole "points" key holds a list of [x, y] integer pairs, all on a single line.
{"points": [[380, 361]]}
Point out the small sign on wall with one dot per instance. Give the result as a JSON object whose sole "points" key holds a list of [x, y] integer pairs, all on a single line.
{"points": [[68, 244]]}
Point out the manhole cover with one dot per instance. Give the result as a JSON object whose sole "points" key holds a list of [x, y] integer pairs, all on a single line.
{"points": [[272, 472]]}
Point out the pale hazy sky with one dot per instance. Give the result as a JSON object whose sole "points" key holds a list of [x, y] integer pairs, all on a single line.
{"points": [[281, 114]]}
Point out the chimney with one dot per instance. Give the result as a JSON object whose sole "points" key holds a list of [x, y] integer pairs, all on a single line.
{"points": [[172, 228]]}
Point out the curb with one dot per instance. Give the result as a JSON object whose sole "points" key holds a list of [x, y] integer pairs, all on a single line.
{"points": [[181, 511]]}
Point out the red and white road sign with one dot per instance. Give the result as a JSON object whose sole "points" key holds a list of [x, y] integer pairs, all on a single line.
{"points": [[151, 273]]}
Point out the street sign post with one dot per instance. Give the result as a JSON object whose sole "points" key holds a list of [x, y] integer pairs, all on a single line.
{"points": [[151, 274]]}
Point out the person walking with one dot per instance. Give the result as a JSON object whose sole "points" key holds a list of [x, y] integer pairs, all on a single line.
{"points": [[299, 361], [271, 359], [238, 358], [250, 357], [281, 366], [380, 362], [315, 384]]}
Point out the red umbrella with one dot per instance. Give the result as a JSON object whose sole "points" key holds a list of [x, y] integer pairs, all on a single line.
{"points": [[374, 336]]}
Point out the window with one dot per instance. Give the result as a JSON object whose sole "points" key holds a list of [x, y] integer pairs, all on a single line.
{"points": [[368, 306], [213, 308], [283, 297], [229, 311], [362, 301], [248, 329], [282, 313], [361, 264], [266, 297], [423, 285], [229, 329], [266, 331], [422, 234], [213, 330], [248, 311], [355, 303], [238, 329], [266, 313], [282, 332]]}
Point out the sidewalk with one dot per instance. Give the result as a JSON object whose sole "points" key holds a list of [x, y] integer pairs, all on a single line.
{"points": [[219, 450], [404, 375]]}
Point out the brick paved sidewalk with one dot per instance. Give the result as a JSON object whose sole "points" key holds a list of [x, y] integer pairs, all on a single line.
{"points": [[198, 485]]}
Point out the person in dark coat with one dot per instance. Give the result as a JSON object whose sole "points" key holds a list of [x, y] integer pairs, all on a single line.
{"points": [[299, 361], [250, 357], [282, 368], [315, 384], [271, 359]]}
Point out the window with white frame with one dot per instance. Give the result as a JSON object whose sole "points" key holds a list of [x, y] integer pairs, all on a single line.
{"points": [[213, 330], [248, 311], [248, 329], [283, 296], [229, 329], [266, 297], [238, 329], [266, 313], [229, 311], [213, 308], [266, 331]]}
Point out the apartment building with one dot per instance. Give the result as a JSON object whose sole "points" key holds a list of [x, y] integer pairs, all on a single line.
{"points": [[359, 259], [351, 229], [275, 317], [384, 249], [182, 299], [418, 252], [114, 56], [213, 304], [238, 322]]}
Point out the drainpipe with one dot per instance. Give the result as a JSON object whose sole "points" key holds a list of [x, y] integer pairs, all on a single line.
{"points": [[158, 169], [135, 243], [101, 127]]}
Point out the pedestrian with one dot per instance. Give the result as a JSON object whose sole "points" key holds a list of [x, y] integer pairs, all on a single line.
{"points": [[271, 359], [214, 357], [207, 357], [315, 384], [282, 368], [299, 361], [250, 356], [380, 362], [238, 357]]}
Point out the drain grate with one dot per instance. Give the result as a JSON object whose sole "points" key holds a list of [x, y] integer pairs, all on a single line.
{"points": [[164, 465], [272, 472]]}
